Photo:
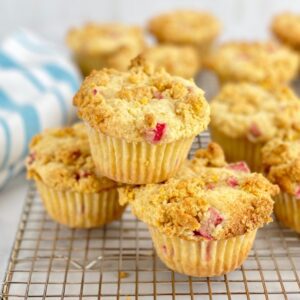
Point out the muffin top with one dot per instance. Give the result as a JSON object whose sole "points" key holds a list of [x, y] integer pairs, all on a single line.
{"points": [[142, 104], [281, 162], [94, 39], [177, 60], [208, 199], [61, 159], [185, 27], [246, 110], [258, 62], [286, 27]]}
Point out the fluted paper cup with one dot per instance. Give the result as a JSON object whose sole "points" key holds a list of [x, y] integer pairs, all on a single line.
{"points": [[202, 258], [136, 163], [81, 210], [287, 210]]}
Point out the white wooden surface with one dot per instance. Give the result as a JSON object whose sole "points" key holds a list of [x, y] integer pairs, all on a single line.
{"points": [[245, 19]]}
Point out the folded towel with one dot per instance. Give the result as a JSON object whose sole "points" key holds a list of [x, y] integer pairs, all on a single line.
{"points": [[37, 83]]}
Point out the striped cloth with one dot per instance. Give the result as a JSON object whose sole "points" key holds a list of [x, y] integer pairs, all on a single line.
{"points": [[37, 83]]}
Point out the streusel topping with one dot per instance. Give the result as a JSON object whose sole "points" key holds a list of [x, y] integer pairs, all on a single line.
{"points": [[177, 60], [185, 27], [210, 202], [61, 159], [281, 162], [142, 104], [245, 110], [267, 63], [96, 39], [286, 26]]}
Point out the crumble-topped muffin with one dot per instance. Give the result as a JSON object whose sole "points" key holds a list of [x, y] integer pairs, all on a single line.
{"points": [[142, 104], [211, 202], [61, 158], [204, 220], [60, 163], [142, 117], [281, 164], [259, 62], [96, 46], [286, 27], [177, 60], [244, 116], [185, 27]]}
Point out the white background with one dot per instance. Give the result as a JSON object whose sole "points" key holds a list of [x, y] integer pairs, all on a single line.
{"points": [[246, 19]]}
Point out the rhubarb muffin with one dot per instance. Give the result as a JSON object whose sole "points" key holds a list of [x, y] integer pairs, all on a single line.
{"points": [[141, 123], [61, 165], [286, 27], [96, 46], [186, 27], [281, 162], [265, 63], [244, 116], [204, 220], [177, 60]]}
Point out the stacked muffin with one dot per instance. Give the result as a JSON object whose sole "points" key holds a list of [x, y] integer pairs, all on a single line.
{"points": [[139, 125]]}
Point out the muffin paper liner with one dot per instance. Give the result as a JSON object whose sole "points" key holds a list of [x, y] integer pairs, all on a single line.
{"points": [[239, 149], [287, 210], [136, 163], [81, 210], [202, 258]]}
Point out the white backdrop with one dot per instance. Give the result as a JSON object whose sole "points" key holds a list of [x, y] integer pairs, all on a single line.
{"points": [[247, 19]]}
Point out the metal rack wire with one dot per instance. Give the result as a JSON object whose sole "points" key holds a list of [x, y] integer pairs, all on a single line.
{"points": [[118, 262]]}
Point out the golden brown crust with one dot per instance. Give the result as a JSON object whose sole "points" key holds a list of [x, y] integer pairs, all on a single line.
{"points": [[245, 110], [177, 60], [61, 159], [142, 104], [185, 27], [265, 63], [206, 202], [286, 27], [281, 162]]}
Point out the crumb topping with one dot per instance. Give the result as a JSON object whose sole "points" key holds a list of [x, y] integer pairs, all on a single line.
{"points": [[214, 201], [185, 27], [258, 62], [245, 110], [177, 60], [142, 104], [281, 163], [286, 27], [61, 159]]}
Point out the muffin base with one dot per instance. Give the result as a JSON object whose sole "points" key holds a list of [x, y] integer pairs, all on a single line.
{"points": [[287, 210], [81, 210], [202, 258], [239, 149], [136, 163]]}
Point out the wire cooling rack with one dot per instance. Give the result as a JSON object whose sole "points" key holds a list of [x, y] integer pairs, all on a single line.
{"points": [[49, 261]]}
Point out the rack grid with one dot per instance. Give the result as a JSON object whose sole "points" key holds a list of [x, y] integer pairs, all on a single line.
{"points": [[50, 261]]}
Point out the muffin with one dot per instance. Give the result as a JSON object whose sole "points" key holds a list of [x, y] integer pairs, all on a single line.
{"points": [[96, 46], [286, 27], [141, 123], [204, 220], [61, 165], [177, 60], [244, 116], [186, 27], [281, 161], [265, 63]]}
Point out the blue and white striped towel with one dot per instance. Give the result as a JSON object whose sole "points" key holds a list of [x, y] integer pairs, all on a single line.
{"points": [[37, 83]]}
